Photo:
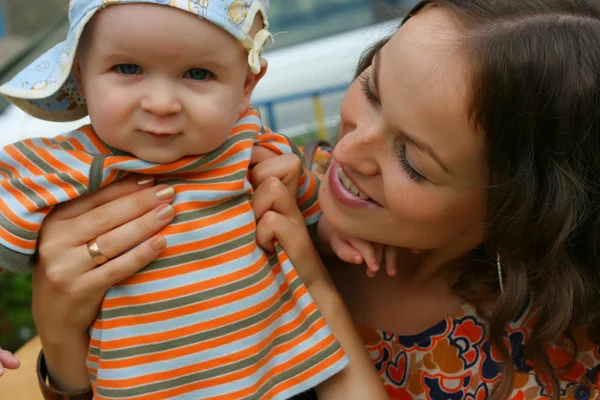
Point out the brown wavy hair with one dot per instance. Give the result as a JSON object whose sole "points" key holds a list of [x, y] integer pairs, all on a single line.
{"points": [[535, 99]]}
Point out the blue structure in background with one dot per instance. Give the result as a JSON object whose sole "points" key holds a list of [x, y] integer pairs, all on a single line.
{"points": [[2, 31], [315, 95]]}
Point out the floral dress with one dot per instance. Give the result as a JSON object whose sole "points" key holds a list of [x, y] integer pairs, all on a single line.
{"points": [[454, 360]]}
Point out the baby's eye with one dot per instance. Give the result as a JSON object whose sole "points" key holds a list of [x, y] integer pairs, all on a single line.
{"points": [[198, 74], [128, 69]]}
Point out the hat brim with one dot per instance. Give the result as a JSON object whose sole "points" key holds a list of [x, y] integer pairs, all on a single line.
{"points": [[47, 88]]}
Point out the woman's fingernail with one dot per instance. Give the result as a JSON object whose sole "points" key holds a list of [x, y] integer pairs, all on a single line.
{"points": [[145, 181], [166, 212], [166, 193], [357, 259], [159, 243]]}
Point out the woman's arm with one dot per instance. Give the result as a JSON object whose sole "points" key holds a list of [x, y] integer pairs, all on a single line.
{"points": [[50, 392], [68, 286], [279, 219]]}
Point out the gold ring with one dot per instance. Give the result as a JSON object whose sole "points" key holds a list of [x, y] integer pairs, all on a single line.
{"points": [[95, 252]]}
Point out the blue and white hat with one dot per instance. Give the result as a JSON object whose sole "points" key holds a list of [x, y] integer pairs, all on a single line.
{"points": [[47, 89]]}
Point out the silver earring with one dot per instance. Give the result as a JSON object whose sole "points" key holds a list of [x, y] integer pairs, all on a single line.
{"points": [[500, 280]]}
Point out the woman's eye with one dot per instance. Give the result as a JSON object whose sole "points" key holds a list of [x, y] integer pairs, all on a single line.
{"points": [[366, 89], [197, 74], [128, 69], [409, 169]]}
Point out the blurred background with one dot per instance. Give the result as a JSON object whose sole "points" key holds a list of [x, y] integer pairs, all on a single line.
{"points": [[317, 46]]}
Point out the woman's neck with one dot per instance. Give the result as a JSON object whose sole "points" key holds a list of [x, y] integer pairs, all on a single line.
{"points": [[393, 304], [424, 268]]}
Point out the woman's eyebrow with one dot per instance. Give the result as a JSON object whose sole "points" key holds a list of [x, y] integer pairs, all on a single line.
{"points": [[376, 61], [424, 147]]}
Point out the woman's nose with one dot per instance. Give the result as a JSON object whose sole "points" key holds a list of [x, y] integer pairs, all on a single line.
{"points": [[161, 101], [358, 147]]}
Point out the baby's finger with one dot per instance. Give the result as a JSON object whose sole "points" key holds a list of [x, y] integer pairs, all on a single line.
{"points": [[345, 251], [273, 195], [260, 154], [391, 260], [8, 361], [368, 252], [295, 241], [287, 167], [265, 231], [379, 252]]}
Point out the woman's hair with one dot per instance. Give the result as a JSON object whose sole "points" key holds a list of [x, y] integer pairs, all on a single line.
{"points": [[535, 100]]}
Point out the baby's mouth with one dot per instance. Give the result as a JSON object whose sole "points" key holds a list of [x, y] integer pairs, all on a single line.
{"points": [[161, 133]]}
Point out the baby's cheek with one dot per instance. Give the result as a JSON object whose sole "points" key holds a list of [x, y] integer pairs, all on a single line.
{"points": [[109, 106], [211, 129], [110, 122]]}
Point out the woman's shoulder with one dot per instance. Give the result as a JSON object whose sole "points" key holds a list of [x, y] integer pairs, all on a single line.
{"points": [[454, 359], [576, 360]]}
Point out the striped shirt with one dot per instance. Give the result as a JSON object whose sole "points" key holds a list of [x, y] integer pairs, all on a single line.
{"points": [[214, 316]]}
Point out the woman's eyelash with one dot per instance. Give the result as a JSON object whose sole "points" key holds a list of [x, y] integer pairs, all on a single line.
{"points": [[373, 99], [366, 89], [412, 173]]}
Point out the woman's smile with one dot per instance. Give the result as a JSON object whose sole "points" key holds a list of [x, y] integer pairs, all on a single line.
{"points": [[345, 191]]}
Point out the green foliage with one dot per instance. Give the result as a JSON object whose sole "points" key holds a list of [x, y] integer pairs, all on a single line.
{"points": [[304, 138], [16, 321]]}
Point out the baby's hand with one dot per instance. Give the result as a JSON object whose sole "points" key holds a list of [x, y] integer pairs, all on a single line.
{"points": [[7, 361], [357, 251]]}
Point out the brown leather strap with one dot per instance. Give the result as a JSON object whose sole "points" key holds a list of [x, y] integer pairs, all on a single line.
{"points": [[49, 392]]}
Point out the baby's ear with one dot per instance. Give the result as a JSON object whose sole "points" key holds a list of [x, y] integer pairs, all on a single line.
{"points": [[264, 65], [76, 70], [252, 80]]}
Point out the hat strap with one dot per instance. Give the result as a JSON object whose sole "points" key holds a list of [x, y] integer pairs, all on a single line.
{"points": [[255, 48]]}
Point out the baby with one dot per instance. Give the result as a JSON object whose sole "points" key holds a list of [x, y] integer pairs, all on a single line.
{"points": [[167, 86]]}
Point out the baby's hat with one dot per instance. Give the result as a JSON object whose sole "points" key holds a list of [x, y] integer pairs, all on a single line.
{"points": [[47, 89]]}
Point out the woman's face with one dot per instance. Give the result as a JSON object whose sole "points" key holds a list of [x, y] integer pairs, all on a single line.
{"points": [[405, 143]]}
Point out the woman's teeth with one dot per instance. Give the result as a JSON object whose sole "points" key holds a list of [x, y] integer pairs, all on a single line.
{"points": [[348, 185]]}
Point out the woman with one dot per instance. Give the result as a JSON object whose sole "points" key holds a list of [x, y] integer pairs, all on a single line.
{"points": [[470, 141]]}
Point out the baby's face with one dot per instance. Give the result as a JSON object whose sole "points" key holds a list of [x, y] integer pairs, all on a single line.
{"points": [[161, 83]]}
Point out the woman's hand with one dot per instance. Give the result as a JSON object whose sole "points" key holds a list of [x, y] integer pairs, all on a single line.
{"points": [[275, 208], [68, 286]]}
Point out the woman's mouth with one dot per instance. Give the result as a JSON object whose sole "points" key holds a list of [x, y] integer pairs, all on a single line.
{"points": [[344, 190], [349, 185]]}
